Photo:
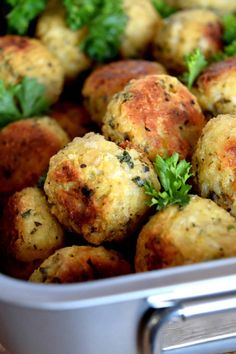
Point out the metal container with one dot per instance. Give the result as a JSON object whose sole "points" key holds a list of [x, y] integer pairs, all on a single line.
{"points": [[146, 313]]}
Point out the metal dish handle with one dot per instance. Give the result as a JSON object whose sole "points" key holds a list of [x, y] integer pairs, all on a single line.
{"points": [[156, 319]]}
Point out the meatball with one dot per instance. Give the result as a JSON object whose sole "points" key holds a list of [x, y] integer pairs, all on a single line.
{"points": [[25, 149], [111, 78], [73, 118], [200, 231], [218, 5], [156, 113], [214, 162], [64, 43], [80, 263], [143, 21], [215, 88], [96, 188], [29, 232], [23, 56], [183, 32]]}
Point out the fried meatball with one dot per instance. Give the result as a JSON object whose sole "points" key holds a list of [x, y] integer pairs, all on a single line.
{"points": [[200, 231], [25, 149], [73, 118], [23, 56], [214, 162], [96, 188], [64, 43], [143, 21], [111, 78], [215, 88], [156, 113], [80, 263], [218, 5], [29, 232], [183, 32]]}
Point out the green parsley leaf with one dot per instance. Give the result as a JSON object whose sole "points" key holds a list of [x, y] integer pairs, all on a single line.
{"points": [[23, 100], [125, 157], [105, 21], [229, 24], [163, 8], [173, 175], [41, 180], [229, 39], [22, 13], [80, 12], [195, 63], [230, 49]]}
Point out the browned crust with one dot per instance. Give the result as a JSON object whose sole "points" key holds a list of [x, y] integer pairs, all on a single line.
{"points": [[111, 78], [213, 31], [14, 42], [25, 150], [73, 118], [82, 263], [215, 70], [157, 253], [164, 111]]}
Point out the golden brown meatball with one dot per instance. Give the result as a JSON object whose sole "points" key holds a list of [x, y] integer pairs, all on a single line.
{"points": [[96, 188], [182, 33], [215, 88], [29, 233], [111, 78], [218, 5], [143, 21], [214, 162], [23, 56], [64, 43], [80, 263], [200, 231], [25, 149], [73, 118], [156, 113]]}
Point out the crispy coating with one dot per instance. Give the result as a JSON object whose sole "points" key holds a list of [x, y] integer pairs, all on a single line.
{"points": [[156, 113], [23, 56], [185, 31], [79, 264], [214, 162], [64, 43], [215, 88], [29, 230], [96, 188], [25, 149], [111, 78], [200, 231], [73, 118], [222, 6], [143, 21]]}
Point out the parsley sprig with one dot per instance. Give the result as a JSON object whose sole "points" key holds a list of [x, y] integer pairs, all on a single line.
{"points": [[195, 63], [80, 12], [22, 12], [164, 9], [173, 175], [105, 21], [229, 24], [229, 38], [22, 100]]}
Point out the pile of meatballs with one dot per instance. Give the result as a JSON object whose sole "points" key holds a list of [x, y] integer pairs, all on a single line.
{"points": [[90, 218]]}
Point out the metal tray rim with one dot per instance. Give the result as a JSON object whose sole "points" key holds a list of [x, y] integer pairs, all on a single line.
{"points": [[167, 284]]}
